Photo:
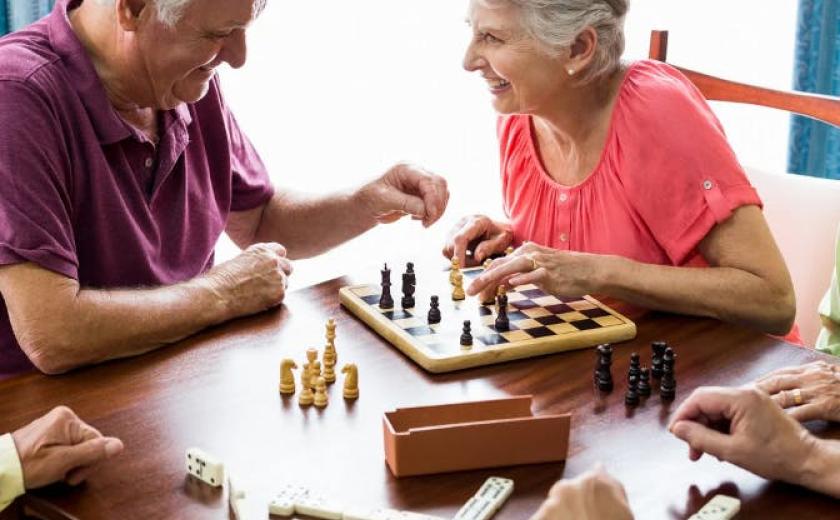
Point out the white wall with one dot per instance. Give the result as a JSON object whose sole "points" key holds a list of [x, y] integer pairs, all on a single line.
{"points": [[335, 91]]}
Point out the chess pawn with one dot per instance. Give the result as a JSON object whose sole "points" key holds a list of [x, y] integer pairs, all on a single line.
{"points": [[454, 270], [321, 398], [434, 311], [466, 335], [644, 382], [314, 373], [631, 398], [287, 379], [311, 355], [351, 381], [458, 291], [306, 397]]}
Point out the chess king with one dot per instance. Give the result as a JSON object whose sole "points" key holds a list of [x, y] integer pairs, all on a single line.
{"points": [[84, 278]]}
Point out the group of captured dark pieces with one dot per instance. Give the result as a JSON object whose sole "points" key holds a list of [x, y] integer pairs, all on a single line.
{"points": [[638, 377]]}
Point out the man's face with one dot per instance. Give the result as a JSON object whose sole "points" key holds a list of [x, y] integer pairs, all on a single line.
{"points": [[176, 63]]}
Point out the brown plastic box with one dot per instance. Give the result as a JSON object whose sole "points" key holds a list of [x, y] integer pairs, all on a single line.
{"points": [[472, 435]]}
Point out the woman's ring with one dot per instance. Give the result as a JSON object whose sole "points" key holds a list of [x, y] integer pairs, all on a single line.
{"points": [[797, 396], [534, 265]]}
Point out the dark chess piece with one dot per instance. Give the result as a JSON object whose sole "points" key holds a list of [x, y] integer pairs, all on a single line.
{"points": [[385, 300], [434, 311], [631, 398], [635, 369], [502, 321], [603, 374], [668, 385], [409, 281], [656, 361], [644, 382], [466, 335]]}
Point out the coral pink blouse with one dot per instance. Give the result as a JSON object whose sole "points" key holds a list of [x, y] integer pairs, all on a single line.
{"points": [[666, 177]]}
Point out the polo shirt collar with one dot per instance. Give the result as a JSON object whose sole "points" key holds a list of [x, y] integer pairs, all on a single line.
{"points": [[109, 127]]}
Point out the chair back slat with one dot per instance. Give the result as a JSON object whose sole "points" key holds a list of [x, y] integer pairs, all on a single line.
{"points": [[815, 106]]}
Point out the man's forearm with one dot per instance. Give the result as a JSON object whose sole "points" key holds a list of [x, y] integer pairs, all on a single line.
{"points": [[822, 470], [110, 324], [308, 226]]}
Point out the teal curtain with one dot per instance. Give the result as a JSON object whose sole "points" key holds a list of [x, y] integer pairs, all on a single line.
{"points": [[16, 14], [815, 147]]}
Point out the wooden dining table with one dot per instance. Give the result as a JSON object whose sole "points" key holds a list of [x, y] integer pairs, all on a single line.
{"points": [[219, 391]]}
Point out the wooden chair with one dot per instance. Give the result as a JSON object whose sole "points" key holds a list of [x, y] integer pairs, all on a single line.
{"points": [[803, 212]]}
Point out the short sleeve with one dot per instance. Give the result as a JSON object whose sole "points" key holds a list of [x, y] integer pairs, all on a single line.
{"points": [[11, 473], [678, 168], [35, 206], [251, 184]]}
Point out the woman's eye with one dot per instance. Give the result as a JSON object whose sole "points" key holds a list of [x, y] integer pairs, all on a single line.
{"points": [[489, 38]]}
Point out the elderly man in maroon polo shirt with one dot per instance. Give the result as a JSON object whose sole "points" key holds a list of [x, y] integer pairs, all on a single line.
{"points": [[120, 166]]}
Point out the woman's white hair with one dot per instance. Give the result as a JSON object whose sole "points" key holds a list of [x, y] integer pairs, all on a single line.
{"points": [[168, 11], [556, 24]]}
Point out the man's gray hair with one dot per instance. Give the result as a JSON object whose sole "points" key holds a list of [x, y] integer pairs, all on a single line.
{"points": [[168, 11], [556, 24]]}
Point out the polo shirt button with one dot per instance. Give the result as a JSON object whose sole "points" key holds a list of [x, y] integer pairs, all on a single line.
{"points": [[149, 162], [564, 197], [564, 237], [707, 185]]}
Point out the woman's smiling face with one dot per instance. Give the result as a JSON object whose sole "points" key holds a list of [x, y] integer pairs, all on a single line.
{"points": [[521, 74]]}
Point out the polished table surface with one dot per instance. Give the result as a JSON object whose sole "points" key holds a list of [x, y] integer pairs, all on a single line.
{"points": [[218, 391]]}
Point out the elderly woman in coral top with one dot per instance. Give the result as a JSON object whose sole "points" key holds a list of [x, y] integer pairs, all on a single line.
{"points": [[617, 178]]}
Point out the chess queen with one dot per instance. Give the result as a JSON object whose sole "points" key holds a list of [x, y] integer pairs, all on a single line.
{"points": [[617, 177]]}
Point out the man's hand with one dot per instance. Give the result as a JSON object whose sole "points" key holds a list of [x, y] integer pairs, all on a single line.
{"points": [[481, 234], [405, 190], [60, 446], [592, 496], [254, 281], [745, 427]]}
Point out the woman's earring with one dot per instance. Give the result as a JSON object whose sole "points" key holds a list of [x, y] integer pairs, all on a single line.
{"points": [[571, 72]]}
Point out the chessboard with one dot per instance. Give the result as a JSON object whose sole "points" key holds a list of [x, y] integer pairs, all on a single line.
{"points": [[539, 323]]}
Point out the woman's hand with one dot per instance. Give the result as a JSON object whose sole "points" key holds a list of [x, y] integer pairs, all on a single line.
{"points": [[555, 272], [812, 391], [481, 234]]}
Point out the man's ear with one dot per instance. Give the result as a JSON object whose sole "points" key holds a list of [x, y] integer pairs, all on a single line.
{"points": [[131, 12]]}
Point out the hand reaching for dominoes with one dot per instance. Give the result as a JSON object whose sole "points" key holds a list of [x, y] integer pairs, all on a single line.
{"points": [[485, 237], [568, 273], [60, 446], [591, 496], [254, 281]]}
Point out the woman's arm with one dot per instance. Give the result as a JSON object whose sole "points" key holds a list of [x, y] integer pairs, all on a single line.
{"points": [[747, 281]]}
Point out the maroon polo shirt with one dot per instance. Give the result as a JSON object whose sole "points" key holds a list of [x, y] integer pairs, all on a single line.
{"points": [[85, 195]]}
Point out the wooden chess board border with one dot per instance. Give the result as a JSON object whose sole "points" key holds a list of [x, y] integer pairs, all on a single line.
{"points": [[486, 355]]}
